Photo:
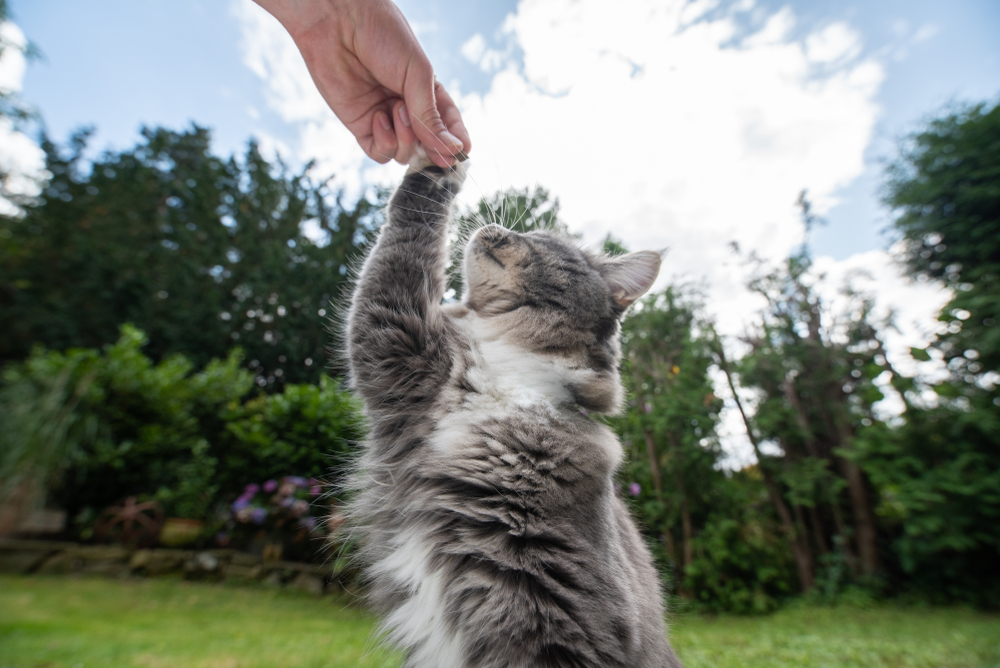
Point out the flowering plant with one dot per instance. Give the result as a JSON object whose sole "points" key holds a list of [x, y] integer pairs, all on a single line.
{"points": [[285, 512]]}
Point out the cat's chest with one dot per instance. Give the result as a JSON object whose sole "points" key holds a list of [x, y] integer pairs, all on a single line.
{"points": [[521, 434]]}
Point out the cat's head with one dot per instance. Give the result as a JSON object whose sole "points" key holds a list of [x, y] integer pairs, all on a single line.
{"points": [[543, 293]]}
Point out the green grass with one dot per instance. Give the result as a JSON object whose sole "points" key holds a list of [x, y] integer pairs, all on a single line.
{"points": [[65, 622], [878, 637]]}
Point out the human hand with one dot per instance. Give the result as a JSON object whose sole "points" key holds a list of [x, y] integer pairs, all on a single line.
{"points": [[369, 67]]}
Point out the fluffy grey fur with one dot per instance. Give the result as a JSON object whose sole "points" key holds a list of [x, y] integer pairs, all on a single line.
{"points": [[488, 521]]}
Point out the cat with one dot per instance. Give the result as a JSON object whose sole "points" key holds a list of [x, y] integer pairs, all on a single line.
{"points": [[484, 498]]}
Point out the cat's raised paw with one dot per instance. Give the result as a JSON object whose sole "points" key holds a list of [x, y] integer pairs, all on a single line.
{"points": [[453, 175]]}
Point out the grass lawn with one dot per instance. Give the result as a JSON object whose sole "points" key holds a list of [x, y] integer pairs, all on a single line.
{"points": [[65, 622]]}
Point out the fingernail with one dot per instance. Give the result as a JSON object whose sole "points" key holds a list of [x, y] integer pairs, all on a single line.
{"points": [[404, 116], [450, 140], [384, 120]]}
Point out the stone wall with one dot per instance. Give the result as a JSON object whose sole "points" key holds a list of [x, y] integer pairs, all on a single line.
{"points": [[52, 557]]}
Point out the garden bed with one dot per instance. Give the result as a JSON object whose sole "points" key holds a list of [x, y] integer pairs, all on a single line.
{"points": [[60, 558]]}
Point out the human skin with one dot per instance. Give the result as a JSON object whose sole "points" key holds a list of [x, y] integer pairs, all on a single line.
{"points": [[369, 67]]}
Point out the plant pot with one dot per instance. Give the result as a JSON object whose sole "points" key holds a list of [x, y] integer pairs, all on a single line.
{"points": [[179, 531]]}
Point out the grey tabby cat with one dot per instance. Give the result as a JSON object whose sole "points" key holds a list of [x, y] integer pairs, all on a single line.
{"points": [[485, 504]]}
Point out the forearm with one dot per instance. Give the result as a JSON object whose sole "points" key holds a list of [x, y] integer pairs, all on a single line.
{"points": [[297, 16]]}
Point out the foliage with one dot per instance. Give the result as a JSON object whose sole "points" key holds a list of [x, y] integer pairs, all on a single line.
{"points": [[309, 429], [814, 372], [945, 190], [201, 252], [164, 431], [713, 532], [938, 477], [669, 428], [741, 559]]}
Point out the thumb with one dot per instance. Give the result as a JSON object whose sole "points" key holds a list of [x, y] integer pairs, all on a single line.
{"points": [[420, 93]]}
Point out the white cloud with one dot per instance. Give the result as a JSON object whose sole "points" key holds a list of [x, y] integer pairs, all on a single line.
{"points": [[22, 161], [661, 121], [644, 123], [834, 43], [474, 48], [12, 62]]}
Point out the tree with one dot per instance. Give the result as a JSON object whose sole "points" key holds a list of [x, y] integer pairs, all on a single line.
{"points": [[711, 529], [200, 252], [670, 427], [945, 192], [814, 373], [937, 472]]}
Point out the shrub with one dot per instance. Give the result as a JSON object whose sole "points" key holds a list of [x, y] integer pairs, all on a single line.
{"points": [[93, 427]]}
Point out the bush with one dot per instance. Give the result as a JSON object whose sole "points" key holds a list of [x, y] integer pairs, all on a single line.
{"points": [[742, 563], [94, 427]]}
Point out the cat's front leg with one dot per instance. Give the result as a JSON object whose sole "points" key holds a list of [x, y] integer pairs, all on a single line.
{"points": [[397, 340]]}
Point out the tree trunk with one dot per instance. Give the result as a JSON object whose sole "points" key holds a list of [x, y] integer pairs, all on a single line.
{"points": [[803, 559], [792, 396], [863, 516], [685, 510], [654, 465], [818, 530]]}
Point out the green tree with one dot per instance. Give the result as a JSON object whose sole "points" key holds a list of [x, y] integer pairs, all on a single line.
{"points": [[945, 192], [670, 427], [713, 531], [201, 252], [814, 372]]}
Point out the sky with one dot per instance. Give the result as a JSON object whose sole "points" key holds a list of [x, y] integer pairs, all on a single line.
{"points": [[671, 124]]}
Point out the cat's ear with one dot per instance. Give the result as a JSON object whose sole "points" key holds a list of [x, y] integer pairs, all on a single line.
{"points": [[629, 276]]}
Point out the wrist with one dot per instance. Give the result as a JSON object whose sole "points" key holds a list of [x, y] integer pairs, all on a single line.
{"points": [[297, 17]]}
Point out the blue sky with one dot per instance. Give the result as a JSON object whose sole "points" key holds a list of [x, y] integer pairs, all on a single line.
{"points": [[118, 64]]}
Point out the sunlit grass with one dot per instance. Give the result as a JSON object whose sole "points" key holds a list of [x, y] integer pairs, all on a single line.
{"points": [[879, 637], [93, 623], [65, 622]]}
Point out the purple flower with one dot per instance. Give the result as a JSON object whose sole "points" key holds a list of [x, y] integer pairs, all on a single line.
{"points": [[240, 503], [287, 501], [251, 489], [648, 407], [300, 507], [270, 486], [315, 490], [315, 481], [309, 523], [298, 481], [258, 515], [634, 489]]}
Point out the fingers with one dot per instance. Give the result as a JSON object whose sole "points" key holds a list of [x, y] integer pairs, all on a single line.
{"points": [[404, 133], [391, 138], [452, 117], [384, 144], [420, 92]]}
